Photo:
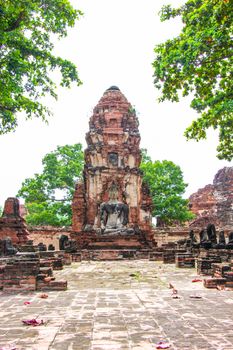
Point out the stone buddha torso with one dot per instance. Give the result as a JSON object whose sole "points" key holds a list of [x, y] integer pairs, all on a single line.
{"points": [[113, 213]]}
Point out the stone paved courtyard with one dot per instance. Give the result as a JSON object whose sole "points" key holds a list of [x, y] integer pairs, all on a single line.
{"points": [[120, 305]]}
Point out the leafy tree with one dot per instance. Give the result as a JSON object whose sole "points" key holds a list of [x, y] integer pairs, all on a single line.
{"points": [[145, 157], [200, 62], [26, 58], [165, 180], [48, 195]]}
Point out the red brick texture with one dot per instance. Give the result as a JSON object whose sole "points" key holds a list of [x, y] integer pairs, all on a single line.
{"points": [[112, 158], [213, 203], [12, 224]]}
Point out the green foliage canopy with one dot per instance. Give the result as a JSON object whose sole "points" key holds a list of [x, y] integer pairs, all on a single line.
{"points": [[165, 180], [26, 58], [48, 195], [200, 62]]}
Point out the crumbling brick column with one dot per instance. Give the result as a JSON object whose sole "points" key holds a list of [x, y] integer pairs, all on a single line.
{"points": [[12, 224]]}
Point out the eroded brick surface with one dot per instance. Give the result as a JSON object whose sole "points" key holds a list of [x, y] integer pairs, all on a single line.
{"points": [[12, 224], [112, 183], [213, 203]]}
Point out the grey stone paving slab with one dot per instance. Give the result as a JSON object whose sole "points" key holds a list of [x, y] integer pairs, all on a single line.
{"points": [[120, 305]]}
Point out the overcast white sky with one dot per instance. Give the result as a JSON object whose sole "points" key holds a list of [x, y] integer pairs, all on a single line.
{"points": [[112, 45]]}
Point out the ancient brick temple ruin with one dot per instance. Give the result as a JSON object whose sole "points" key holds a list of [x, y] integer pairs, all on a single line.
{"points": [[12, 224], [24, 266], [112, 207], [112, 215], [214, 203]]}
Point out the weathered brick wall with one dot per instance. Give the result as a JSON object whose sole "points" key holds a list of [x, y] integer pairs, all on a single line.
{"points": [[168, 235], [26, 272], [47, 235], [12, 224], [19, 272], [173, 234], [214, 203]]}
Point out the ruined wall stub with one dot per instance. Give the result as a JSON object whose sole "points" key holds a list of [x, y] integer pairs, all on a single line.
{"points": [[12, 224], [214, 203]]}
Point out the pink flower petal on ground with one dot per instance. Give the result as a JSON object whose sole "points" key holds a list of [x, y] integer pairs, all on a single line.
{"points": [[33, 322], [26, 303], [162, 345], [196, 280]]}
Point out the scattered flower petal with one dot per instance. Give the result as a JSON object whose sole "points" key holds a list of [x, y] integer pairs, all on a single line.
{"points": [[33, 322], [26, 303], [196, 280], [162, 345]]}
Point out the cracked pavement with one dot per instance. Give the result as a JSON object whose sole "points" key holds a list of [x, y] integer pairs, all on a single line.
{"points": [[120, 305]]}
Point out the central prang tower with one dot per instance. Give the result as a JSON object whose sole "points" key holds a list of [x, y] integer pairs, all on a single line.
{"points": [[112, 202]]}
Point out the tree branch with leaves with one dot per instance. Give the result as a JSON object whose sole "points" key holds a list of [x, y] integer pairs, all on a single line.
{"points": [[26, 56], [48, 195], [166, 184], [199, 62]]}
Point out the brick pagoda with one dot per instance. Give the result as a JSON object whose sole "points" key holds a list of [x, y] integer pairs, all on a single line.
{"points": [[112, 207]]}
